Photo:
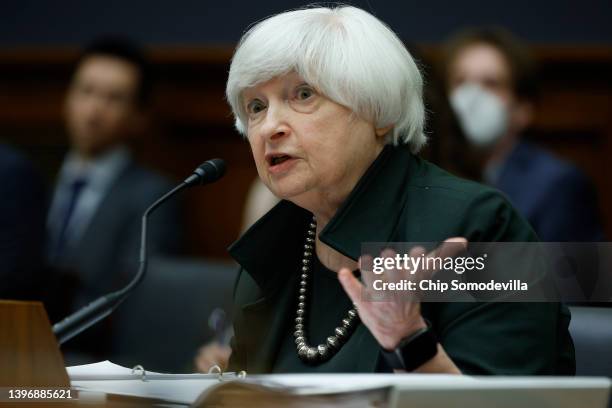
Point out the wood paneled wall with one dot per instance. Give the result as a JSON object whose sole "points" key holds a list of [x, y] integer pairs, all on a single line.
{"points": [[190, 122]]}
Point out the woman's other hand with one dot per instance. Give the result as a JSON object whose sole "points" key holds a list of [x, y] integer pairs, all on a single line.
{"points": [[212, 354]]}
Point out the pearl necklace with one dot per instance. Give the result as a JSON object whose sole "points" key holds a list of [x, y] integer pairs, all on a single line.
{"points": [[322, 352]]}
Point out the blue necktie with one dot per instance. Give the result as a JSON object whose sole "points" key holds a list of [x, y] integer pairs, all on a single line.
{"points": [[75, 191]]}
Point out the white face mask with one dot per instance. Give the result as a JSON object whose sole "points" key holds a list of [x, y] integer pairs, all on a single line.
{"points": [[482, 115]]}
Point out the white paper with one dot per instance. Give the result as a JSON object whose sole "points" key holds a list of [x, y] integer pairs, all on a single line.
{"points": [[113, 379], [106, 370]]}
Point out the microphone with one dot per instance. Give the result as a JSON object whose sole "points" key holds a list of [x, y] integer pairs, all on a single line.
{"points": [[208, 172]]}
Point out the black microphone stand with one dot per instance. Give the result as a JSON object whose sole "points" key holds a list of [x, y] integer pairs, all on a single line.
{"points": [[104, 306], [208, 172]]}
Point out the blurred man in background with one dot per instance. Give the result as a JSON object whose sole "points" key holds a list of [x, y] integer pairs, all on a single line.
{"points": [[491, 84], [94, 220]]}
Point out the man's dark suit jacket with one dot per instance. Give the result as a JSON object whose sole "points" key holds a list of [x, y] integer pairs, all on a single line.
{"points": [[106, 256], [22, 226], [556, 198]]}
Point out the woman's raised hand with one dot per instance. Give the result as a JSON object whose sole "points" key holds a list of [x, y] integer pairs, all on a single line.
{"points": [[396, 314]]}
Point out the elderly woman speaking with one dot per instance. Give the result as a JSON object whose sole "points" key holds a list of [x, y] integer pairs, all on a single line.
{"points": [[331, 103]]}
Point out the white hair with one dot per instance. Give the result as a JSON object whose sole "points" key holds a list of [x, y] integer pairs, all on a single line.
{"points": [[347, 54]]}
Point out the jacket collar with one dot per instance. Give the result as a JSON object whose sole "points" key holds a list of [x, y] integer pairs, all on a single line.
{"points": [[273, 245]]}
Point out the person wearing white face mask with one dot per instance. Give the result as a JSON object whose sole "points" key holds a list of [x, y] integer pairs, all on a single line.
{"points": [[482, 115], [491, 85]]}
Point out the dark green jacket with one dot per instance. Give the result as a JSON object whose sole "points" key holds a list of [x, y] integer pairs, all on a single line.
{"points": [[401, 198]]}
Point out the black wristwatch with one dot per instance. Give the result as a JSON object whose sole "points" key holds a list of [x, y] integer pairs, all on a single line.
{"points": [[413, 351]]}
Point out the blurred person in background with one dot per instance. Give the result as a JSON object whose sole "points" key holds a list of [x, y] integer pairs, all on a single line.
{"points": [[22, 221], [94, 219], [492, 88]]}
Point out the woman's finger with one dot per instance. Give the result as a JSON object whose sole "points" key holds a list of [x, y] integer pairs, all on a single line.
{"points": [[351, 285], [450, 247], [366, 263]]}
